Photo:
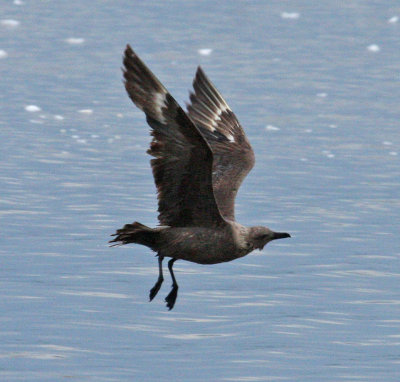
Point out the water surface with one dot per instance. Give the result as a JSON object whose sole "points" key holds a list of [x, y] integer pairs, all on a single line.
{"points": [[316, 87]]}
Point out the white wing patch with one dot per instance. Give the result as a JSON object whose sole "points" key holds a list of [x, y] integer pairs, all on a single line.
{"points": [[159, 104], [210, 110], [222, 107], [217, 114], [230, 137]]}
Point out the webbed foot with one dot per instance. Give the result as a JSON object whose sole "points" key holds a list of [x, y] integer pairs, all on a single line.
{"points": [[171, 298], [156, 288]]}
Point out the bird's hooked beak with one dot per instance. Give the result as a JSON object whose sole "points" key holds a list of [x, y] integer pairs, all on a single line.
{"points": [[280, 235], [275, 236]]}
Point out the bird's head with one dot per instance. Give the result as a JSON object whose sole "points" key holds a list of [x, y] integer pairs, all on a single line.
{"points": [[261, 236]]}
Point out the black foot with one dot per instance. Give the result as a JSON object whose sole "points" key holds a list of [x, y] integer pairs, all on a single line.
{"points": [[155, 289], [171, 298]]}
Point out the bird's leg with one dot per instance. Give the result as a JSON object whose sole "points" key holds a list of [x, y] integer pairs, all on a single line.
{"points": [[157, 285], [171, 298]]}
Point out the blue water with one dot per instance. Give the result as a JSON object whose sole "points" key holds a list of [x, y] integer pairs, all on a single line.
{"points": [[317, 90]]}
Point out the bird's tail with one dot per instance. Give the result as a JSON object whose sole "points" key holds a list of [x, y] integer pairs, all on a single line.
{"points": [[136, 233]]}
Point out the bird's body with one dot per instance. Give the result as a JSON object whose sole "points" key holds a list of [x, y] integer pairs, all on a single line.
{"points": [[200, 245], [200, 160]]}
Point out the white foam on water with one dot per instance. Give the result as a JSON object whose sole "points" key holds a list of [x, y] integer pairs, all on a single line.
{"points": [[328, 154], [10, 23], [75, 40], [387, 143], [3, 53], [290, 15], [95, 294], [271, 128], [205, 51], [32, 108], [393, 20], [322, 95], [393, 153], [58, 117], [373, 48], [86, 111], [18, 2], [197, 336]]}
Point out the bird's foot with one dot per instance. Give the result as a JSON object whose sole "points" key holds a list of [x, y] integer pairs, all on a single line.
{"points": [[171, 298], [155, 289]]}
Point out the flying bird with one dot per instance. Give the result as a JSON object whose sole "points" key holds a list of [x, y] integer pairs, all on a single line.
{"points": [[200, 158]]}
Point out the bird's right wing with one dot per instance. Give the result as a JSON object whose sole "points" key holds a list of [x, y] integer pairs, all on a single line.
{"points": [[233, 155], [182, 166]]}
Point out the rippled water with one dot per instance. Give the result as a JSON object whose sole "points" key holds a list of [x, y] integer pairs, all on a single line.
{"points": [[316, 86]]}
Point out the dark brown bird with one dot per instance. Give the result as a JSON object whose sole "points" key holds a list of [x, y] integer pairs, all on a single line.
{"points": [[200, 159]]}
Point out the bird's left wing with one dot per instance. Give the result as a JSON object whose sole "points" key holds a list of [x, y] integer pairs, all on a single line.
{"points": [[182, 164]]}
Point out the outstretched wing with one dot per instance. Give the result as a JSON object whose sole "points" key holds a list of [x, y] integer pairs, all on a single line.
{"points": [[182, 167], [233, 155]]}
